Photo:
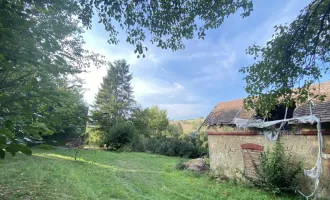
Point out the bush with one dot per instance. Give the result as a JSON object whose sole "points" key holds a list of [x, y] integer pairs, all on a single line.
{"points": [[166, 146], [44, 146], [119, 135], [180, 165], [95, 137], [277, 173]]}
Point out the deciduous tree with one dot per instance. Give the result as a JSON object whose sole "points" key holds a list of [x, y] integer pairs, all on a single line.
{"points": [[169, 22], [297, 56], [40, 46]]}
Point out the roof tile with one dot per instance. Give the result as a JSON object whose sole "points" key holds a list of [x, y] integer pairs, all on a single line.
{"points": [[225, 112]]}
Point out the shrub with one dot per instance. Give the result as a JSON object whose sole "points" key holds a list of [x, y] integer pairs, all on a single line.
{"points": [[166, 146], [180, 165], [119, 135], [95, 137], [276, 173], [44, 146]]}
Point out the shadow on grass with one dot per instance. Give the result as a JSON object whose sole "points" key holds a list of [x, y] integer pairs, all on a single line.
{"points": [[83, 161]]}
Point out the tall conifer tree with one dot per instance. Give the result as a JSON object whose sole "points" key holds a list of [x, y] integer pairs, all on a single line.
{"points": [[115, 100]]}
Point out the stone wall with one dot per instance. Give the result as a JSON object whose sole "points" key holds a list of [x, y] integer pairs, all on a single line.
{"points": [[226, 153]]}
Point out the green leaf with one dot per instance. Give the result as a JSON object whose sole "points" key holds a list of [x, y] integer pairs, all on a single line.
{"points": [[58, 121], [24, 149], [12, 148], [3, 140], [6, 132], [2, 57], [2, 153], [9, 125]]}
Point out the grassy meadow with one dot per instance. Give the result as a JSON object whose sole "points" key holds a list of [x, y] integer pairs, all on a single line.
{"points": [[189, 125], [99, 174]]}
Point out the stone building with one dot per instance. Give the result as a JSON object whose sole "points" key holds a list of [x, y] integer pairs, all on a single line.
{"points": [[231, 148]]}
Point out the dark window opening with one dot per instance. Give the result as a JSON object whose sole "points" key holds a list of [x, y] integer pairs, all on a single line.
{"points": [[279, 113]]}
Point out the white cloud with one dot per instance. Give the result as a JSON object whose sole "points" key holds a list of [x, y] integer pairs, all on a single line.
{"points": [[151, 87], [179, 86], [155, 87]]}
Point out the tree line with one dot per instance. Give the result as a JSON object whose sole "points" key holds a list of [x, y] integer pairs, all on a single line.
{"points": [[119, 123]]}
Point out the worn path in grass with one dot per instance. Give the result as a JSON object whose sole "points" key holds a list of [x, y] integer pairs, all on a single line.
{"points": [[53, 174]]}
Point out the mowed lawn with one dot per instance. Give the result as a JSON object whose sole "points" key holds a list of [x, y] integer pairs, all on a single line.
{"points": [[98, 174]]}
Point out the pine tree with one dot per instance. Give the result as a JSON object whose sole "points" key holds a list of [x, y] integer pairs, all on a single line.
{"points": [[114, 101]]}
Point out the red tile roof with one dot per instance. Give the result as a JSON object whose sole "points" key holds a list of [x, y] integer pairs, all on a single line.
{"points": [[320, 109], [225, 112]]}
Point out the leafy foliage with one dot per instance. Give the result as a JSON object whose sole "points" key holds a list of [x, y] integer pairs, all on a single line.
{"points": [[297, 54], [44, 146], [40, 47], [165, 146], [277, 173], [156, 135], [187, 146], [158, 120], [140, 118], [150, 121], [119, 135], [174, 131], [168, 22]]}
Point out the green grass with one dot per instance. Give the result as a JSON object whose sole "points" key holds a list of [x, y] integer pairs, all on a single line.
{"points": [[53, 174]]}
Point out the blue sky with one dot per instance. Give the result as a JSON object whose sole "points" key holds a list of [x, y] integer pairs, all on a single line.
{"points": [[189, 83]]}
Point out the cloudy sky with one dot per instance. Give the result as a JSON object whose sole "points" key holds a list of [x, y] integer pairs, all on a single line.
{"points": [[190, 82]]}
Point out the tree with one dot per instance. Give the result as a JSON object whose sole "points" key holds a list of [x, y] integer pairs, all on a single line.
{"points": [[174, 130], [140, 118], [168, 22], [40, 46], [120, 134], [68, 118], [158, 121], [114, 101], [297, 54], [150, 122]]}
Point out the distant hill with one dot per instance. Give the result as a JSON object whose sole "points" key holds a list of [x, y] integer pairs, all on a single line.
{"points": [[189, 125]]}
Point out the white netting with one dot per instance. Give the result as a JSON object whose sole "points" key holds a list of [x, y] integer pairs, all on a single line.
{"points": [[258, 123], [272, 133]]}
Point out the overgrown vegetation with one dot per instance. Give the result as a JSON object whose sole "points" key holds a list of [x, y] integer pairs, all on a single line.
{"points": [[135, 135], [119, 134], [277, 172], [186, 146]]}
